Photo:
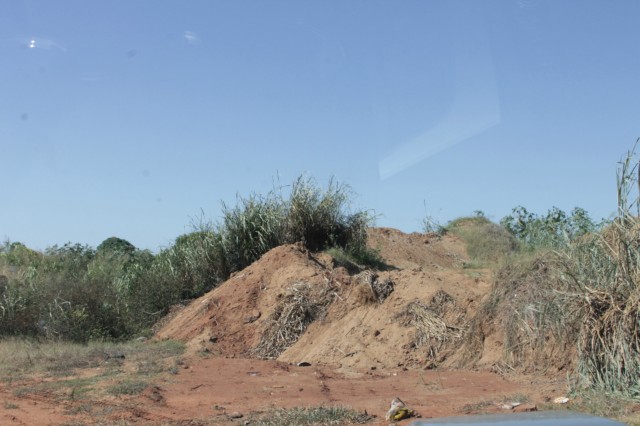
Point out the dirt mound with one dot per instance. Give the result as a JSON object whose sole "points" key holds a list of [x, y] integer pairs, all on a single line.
{"points": [[230, 319], [406, 251], [359, 321]]}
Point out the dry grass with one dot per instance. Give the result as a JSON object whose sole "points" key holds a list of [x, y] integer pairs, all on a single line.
{"points": [[529, 313], [83, 373], [432, 330], [603, 275], [576, 309], [300, 306], [369, 289]]}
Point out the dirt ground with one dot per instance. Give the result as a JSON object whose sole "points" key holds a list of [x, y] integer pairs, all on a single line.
{"points": [[208, 390], [363, 348]]}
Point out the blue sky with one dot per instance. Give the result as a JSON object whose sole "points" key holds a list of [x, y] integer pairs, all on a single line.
{"points": [[130, 118]]}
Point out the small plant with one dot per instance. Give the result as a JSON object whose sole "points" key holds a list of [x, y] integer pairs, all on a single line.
{"points": [[128, 387], [8, 405], [431, 225], [313, 416]]}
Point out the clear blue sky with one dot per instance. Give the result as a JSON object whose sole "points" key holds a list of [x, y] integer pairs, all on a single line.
{"points": [[129, 118]]}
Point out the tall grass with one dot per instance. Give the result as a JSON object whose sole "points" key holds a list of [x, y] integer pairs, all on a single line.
{"points": [[75, 292], [254, 226], [602, 273], [318, 217], [571, 297]]}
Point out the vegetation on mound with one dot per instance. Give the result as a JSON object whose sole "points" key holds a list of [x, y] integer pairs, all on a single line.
{"points": [[78, 293], [486, 241], [602, 274], [296, 310], [570, 295]]}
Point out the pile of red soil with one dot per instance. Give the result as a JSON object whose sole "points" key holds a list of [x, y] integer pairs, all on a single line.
{"points": [[354, 333]]}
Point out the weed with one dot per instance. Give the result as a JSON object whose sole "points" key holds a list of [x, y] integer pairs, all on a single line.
{"points": [[8, 405], [476, 407], [80, 409], [128, 387], [313, 416]]}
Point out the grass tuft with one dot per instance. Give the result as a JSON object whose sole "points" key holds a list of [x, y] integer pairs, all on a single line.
{"points": [[318, 416], [128, 387]]}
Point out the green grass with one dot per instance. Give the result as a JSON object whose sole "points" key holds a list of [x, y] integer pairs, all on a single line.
{"points": [[312, 416], [9, 405], [128, 387]]}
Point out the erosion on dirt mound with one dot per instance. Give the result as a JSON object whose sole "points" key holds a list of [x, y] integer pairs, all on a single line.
{"points": [[295, 306]]}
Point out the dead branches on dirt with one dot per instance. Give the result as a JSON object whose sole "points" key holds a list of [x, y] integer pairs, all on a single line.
{"points": [[303, 304], [432, 331], [370, 289]]}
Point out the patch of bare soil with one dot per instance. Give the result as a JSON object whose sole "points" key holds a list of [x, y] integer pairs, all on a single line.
{"points": [[209, 390]]}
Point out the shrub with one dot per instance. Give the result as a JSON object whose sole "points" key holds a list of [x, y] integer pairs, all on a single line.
{"points": [[116, 245], [485, 241], [556, 229]]}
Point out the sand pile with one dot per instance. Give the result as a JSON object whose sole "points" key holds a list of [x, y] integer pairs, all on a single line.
{"points": [[296, 306]]}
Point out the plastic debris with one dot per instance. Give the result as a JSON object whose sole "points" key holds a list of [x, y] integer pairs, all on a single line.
{"points": [[398, 411]]}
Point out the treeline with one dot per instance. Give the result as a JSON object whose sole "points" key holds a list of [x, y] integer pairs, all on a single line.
{"points": [[116, 291]]}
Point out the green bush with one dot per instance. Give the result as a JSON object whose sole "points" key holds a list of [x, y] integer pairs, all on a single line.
{"points": [[116, 245], [556, 229]]}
